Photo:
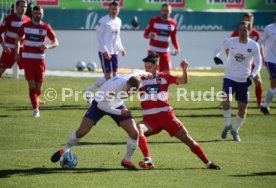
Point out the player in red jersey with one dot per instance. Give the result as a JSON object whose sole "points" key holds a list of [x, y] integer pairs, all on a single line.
{"points": [[255, 35], [158, 114], [10, 27], [33, 53], [160, 30]]}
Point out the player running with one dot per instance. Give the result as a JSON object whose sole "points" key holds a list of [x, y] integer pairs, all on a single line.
{"points": [[158, 114], [268, 38], [160, 31], [10, 28], [33, 53], [109, 101], [238, 75], [255, 35]]}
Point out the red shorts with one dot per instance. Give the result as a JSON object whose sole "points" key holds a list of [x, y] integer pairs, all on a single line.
{"points": [[7, 60], [164, 61], [163, 121], [35, 71]]}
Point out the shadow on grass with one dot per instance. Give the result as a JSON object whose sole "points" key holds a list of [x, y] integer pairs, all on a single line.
{"points": [[41, 171], [4, 116], [256, 174], [152, 143]]}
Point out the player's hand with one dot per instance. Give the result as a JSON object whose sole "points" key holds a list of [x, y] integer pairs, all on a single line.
{"points": [[218, 61], [152, 35], [123, 52], [7, 49], [107, 55], [184, 64], [43, 47], [89, 97], [249, 80], [125, 112], [176, 52]]}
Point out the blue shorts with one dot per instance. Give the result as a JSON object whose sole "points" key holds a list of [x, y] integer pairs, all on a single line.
{"points": [[95, 114], [271, 68], [240, 89], [109, 65]]}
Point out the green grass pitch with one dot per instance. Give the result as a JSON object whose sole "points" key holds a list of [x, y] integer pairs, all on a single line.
{"points": [[26, 144]]}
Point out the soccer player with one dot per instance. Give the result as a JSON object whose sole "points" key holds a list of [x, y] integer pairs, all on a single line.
{"points": [[159, 32], [238, 75], [108, 34], [158, 114], [10, 27], [268, 38], [255, 35], [109, 101], [33, 53]]}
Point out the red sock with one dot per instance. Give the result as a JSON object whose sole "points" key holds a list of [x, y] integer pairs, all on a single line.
{"points": [[143, 145], [33, 97], [259, 94], [200, 153]]}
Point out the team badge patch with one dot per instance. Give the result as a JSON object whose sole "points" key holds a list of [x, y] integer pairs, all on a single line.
{"points": [[249, 50], [158, 80]]}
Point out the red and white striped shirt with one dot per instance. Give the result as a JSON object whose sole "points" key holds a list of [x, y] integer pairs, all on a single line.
{"points": [[35, 37], [10, 27], [154, 94], [165, 30]]}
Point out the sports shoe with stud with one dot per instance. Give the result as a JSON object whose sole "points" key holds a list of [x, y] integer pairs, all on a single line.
{"points": [[128, 165], [147, 164], [225, 131], [56, 156], [235, 135], [36, 113], [214, 166], [264, 110]]}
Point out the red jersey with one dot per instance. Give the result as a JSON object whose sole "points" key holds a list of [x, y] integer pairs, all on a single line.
{"points": [[154, 94], [253, 34], [165, 30], [10, 27], [35, 36]]}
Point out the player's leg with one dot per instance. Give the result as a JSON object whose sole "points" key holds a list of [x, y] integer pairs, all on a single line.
{"points": [[165, 63], [114, 61], [130, 127], [184, 136], [271, 92], [6, 62], [229, 90], [33, 97], [145, 131], [106, 66], [92, 116], [2, 70], [258, 89]]}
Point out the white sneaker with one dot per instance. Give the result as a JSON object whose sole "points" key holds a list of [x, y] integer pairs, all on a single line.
{"points": [[36, 113]]}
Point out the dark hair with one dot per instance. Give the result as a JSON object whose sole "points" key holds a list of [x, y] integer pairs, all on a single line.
{"points": [[134, 81], [152, 58], [37, 8], [113, 3], [19, 1], [248, 15], [165, 5]]}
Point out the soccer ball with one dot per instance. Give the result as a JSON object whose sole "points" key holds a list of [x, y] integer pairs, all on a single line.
{"points": [[68, 160], [91, 66], [81, 65]]}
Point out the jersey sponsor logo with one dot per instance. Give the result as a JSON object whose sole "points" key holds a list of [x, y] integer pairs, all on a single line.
{"points": [[164, 33], [34, 37], [249, 50], [152, 89], [239, 57]]}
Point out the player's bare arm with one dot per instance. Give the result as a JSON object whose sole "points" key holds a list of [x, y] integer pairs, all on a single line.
{"points": [[17, 47], [184, 79], [53, 44]]}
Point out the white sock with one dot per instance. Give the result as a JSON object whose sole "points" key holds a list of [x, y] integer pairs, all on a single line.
{"points": [[131, 148], [268, 97], [238, 123], [97, 83], [73, 140], [227, 116]]}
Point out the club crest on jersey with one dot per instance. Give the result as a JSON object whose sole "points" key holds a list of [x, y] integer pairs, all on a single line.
{"points": [[239, 57], [158, 80], [249, 50]]}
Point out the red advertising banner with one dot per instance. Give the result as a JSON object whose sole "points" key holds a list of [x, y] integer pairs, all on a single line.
{"points": [[47, 2], [106, 3]]}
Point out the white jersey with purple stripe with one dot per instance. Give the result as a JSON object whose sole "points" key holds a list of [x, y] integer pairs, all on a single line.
{"points": [[238, 66]]}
